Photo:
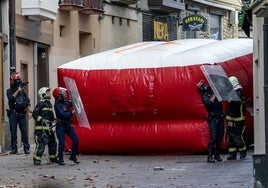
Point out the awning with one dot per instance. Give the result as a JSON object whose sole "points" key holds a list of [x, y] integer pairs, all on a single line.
{"points": [[245, 20]]}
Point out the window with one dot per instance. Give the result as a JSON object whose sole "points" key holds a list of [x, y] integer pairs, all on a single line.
{"points": [[62, 30], [215, 27], [190, 34]]}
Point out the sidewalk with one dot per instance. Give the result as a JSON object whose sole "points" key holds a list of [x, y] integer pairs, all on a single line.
{"points": [[116, 171]]}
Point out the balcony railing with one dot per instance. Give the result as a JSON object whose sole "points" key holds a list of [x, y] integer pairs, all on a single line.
{"points": [[92, 7], [166, 6], [71, 5], [124, 2]]}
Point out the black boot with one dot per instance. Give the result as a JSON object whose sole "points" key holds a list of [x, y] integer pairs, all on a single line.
{"points": [[217, 157], [231, 156], [61, 162], [37, 162], [74, 159], [14, 151], [54, 160], [210, 158], [243, 155]]}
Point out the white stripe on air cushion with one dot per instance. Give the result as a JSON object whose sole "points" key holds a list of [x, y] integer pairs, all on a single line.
{"points": [[164, 54]]}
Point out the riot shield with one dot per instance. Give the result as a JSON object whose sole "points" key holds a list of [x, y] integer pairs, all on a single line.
{"points": [[219, 82], [77, 103]]}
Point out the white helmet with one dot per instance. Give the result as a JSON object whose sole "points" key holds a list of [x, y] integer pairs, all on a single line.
{"points": [[44, 94], [235, 83]]}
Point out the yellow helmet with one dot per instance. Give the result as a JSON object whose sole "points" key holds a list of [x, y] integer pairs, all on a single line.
{"points": [[44, 93]]}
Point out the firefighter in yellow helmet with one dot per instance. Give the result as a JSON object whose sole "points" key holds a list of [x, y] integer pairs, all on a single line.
{"points": [[44, 122], [235, 118]]}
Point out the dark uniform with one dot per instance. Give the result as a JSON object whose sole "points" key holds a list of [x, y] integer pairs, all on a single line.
{"points": [[44, 135], [64, 114], [215, 121], [235, 127], [17, 114]]}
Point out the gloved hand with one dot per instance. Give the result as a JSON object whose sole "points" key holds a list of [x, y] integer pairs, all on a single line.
{"points": [[54, 123], [45, 121]]}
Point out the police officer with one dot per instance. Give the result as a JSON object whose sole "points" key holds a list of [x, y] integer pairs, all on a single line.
{"points": [[235, 118], [44, 134], [215, 121], [19, 103], [64, 113]]}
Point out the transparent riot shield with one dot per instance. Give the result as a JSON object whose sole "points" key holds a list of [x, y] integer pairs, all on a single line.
{"points": [[219, 82], [77, 103]]}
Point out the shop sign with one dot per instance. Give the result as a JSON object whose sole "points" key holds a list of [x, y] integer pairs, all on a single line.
{"points": [[194, 22], [160, 31]]}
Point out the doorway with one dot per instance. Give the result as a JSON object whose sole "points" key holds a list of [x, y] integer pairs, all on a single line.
{"points": [[42, 66]]}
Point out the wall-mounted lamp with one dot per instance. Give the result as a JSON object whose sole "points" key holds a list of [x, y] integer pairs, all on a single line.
{"points": [[101, 17]]}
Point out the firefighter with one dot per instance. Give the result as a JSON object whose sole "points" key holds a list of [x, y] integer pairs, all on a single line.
{"points": [[44, 133], [64, 113], [215, 120], [235, 118]]}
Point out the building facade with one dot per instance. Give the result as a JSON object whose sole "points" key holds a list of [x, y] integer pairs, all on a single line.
{"points": [[259, 11], [6, 27]]}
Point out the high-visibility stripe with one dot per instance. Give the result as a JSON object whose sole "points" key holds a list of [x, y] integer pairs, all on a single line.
{"points": [[42, 128], [38, 118], [47, 109], [43, 109], [231, 150], [36, 148], [245, 147], [241, 118], [54, 156]]}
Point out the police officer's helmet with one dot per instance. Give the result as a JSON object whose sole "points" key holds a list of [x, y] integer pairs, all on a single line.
{"points": [[60, 92], [15, 77]]}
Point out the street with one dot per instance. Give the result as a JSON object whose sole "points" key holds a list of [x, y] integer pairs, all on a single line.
{"points": [[117, 171]]}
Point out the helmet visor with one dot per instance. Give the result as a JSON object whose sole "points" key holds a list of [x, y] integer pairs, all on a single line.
{"points": [[63, 92]]}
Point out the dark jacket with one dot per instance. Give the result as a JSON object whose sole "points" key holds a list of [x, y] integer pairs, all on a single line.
{"points": [[12, 100], [214, 109], [43, 110], [63, 110], [236, 109]]}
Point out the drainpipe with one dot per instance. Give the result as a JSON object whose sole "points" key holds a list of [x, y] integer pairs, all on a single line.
{"points": [[12, 35], [35, 72], [265, 67], [1, 24]]}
